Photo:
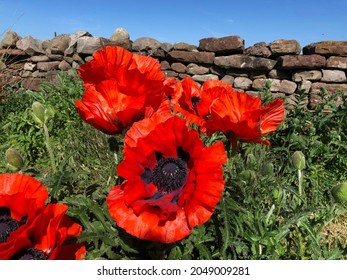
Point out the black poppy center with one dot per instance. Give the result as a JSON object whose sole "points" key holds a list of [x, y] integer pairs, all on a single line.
{"points": [[33, 254], [7, 225], [195, 100], [170, 174]]}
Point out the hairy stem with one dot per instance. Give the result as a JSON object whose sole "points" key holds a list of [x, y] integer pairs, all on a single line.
{"points": [[49, 148]]}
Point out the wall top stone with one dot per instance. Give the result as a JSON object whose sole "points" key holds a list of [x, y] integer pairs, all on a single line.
{"points": [[146, 44], [224, 45], [327, 48], [282, 47]]}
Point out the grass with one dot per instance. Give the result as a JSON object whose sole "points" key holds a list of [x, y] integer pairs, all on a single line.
{"points": [[262, 214]]}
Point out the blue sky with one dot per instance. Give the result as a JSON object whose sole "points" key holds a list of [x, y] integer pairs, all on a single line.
{"points": [[181, 20]]}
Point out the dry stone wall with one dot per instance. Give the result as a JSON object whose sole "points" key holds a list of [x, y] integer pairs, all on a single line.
{"points": [[289, 67]]}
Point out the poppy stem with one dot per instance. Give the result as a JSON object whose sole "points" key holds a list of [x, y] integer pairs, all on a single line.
{"points": [[49, 148]]}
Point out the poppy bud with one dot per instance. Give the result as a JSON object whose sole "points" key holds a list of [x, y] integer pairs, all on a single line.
{"points": [[339, 192], [14, 159], [251, 162], [38, 112], [298, 160], [247, 175], [269, 169]]}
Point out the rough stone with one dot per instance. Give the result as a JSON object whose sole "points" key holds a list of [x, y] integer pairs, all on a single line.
{"points": [[257, 74], [195, 69], [88, 58], [76, 57], [166, 47], [158, 53], [45, 44], [119, 35], [29, 66], [59, 44], [331, 88], [170, 74], [68, 59], [125, 44], [64, 65], [224, 45], [204, 78], [48, 66], [39, 58], [12, 52], [304, 86], [259, 49], [73, 41], [313, 61], [26, 74], [54, 56], [32, 83], [194, 57], [38, 74], [333, 76], [10, 39], [327, 48], [75, 65], [164, 65], [279, 74], [261, 83], [228, 79], [180, 46], [337, 62], [283, 86], [237, 73], [146, 44], [312, 75], [219, 71], [178, 67], [30, 46], [245, 62], [242, 83], [88, 45], [283, 47], [288, 87], [183, 75]]}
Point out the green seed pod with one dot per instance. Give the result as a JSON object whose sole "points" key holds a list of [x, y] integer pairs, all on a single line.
{"points": [[269, 169], [38, 112], [251, 162], [14, 159], [339, 192], [298, 160], [247, 175]]}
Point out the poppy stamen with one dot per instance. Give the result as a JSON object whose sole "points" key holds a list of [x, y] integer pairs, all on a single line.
{"points": [[195, 100], [33, 254], [170, 174], [7, 225]]}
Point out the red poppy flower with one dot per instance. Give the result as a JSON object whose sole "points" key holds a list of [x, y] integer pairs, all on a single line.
{"points": [[217, 107], [135, 74], [121, 88], [22, 198], [169, 87], [241, 116], [48, 237], [173, 182], [185, 98], [27, 226]]}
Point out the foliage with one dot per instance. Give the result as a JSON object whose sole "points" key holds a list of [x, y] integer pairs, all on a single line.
{"points": [[263, 214]]}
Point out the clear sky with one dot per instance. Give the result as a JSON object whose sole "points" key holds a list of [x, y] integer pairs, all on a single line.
{"points": [[180, 20]]}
